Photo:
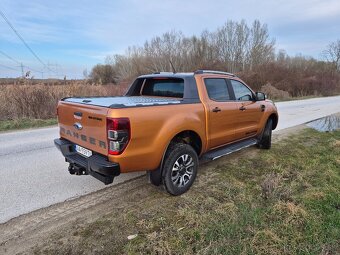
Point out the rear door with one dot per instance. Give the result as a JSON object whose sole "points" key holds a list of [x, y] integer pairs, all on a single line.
{"points": [[222, 112], [249, 113], [84, 125]]}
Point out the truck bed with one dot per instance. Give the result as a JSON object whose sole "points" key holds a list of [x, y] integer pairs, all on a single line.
{"points": [[123, 102]]}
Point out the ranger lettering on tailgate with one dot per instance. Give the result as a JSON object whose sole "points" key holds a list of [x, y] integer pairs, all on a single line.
{"points": [[82, 137]]}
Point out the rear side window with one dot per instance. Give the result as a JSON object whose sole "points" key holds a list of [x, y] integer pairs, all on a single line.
{"points": [[163, 87], [217, 89]]}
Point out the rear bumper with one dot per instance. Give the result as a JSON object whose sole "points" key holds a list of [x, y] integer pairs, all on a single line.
{"points": [[96, 165]]}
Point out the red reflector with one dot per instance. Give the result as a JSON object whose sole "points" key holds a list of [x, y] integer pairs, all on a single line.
{"points": [[118, 124]]}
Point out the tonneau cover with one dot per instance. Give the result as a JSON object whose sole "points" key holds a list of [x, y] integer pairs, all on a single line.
{"points": [[123, 102]]}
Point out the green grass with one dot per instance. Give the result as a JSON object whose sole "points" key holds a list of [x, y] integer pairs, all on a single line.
{"points": [[6, 125], [280, 201]]}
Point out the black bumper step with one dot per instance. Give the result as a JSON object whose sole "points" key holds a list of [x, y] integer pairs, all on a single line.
{"points": [[96, 165]]}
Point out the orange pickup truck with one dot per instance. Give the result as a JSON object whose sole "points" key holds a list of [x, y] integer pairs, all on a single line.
{"points": [[165, 124]]}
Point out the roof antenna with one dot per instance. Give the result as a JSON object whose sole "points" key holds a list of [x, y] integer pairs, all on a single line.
{"points": [[172, 66]]}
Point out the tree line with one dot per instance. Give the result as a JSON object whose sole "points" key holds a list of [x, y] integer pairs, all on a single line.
{"points": [[247, 50]]}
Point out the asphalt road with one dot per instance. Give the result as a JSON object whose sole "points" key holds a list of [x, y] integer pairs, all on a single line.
{"points": [[33, 173]]}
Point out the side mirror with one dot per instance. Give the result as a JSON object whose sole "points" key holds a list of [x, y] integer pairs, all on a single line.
{"points": [[260, 96]]}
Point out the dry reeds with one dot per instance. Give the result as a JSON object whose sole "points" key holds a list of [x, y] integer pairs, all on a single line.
{"points": [[39, 101]]}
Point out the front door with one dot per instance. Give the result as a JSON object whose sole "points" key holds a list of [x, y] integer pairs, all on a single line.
{"points": [[250, 111]]}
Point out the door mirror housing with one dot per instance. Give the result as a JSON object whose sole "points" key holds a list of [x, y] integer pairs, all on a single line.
{"points": [[260, 96]]}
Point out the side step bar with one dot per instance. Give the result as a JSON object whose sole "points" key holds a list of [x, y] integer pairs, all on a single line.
{"points": [[228, 149]]}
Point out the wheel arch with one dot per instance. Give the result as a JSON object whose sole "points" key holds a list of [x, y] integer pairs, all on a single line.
{"points": [[275, 120], [189, 137], [186, 136]]}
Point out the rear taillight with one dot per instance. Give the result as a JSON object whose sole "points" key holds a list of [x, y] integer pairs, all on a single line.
{"points": [[118, 134]]}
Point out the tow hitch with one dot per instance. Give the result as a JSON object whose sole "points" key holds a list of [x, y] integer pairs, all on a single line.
{"points": [[96, 165], [77, 170]]}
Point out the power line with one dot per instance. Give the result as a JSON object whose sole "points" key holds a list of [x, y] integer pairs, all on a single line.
{"points": [[9, 57], [8, 67], [23, 41], [19, 63]]}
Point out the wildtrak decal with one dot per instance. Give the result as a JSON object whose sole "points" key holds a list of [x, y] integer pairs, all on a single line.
{"points": [[95, 118], [83, 138]]}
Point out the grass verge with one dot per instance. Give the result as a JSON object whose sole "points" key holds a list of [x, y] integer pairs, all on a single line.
{"points": [[6, 125], [280, 201]]}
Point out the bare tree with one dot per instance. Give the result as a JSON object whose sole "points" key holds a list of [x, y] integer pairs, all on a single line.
{"points": [[260, 47], [332, 54], [234, 47]]}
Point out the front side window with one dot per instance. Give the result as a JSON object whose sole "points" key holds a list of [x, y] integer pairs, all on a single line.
{"points": [[217, 89], [242, 92], [163, 87]]}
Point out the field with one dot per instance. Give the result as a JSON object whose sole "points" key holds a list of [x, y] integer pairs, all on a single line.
{"points": [[39, 101], [281, 201]]}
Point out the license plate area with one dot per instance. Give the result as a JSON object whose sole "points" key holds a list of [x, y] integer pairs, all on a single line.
{"points": [[83, 151]]}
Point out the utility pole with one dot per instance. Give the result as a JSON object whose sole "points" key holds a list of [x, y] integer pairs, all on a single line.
{"points": [[56, 70], [52, 68], [48, 69], [22, 70]]}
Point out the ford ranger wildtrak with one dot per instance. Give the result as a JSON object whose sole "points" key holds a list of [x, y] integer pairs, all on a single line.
{"points": [[165, 124]]}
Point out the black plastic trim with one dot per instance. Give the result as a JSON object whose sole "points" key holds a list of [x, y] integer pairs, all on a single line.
{"points": [[96, 165]]}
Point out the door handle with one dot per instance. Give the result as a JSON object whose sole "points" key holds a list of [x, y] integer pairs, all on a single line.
{"points": [[216, 109], [242, 108]]}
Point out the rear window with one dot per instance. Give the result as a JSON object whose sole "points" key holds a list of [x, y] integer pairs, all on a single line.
{"points": [[163, 88]]}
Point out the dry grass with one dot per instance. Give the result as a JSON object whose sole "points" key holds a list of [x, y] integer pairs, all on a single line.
{"points": [[38, 101], [268, 202]]}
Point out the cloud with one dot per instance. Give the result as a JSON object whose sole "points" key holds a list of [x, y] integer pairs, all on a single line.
{"points": [[321, 10]]}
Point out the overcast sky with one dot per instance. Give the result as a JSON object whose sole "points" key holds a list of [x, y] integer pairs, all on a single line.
{"points": [[79, 34]]}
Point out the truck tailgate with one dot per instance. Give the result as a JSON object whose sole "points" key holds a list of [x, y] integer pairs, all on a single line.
{"points": [[84, 125]]}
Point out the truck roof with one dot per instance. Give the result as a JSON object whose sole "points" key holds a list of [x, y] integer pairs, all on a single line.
{"points": [[183, 75], [167, 74]]}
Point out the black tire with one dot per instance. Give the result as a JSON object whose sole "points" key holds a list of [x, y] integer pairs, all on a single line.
{"points": [[183, 158], [265, 142]]}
